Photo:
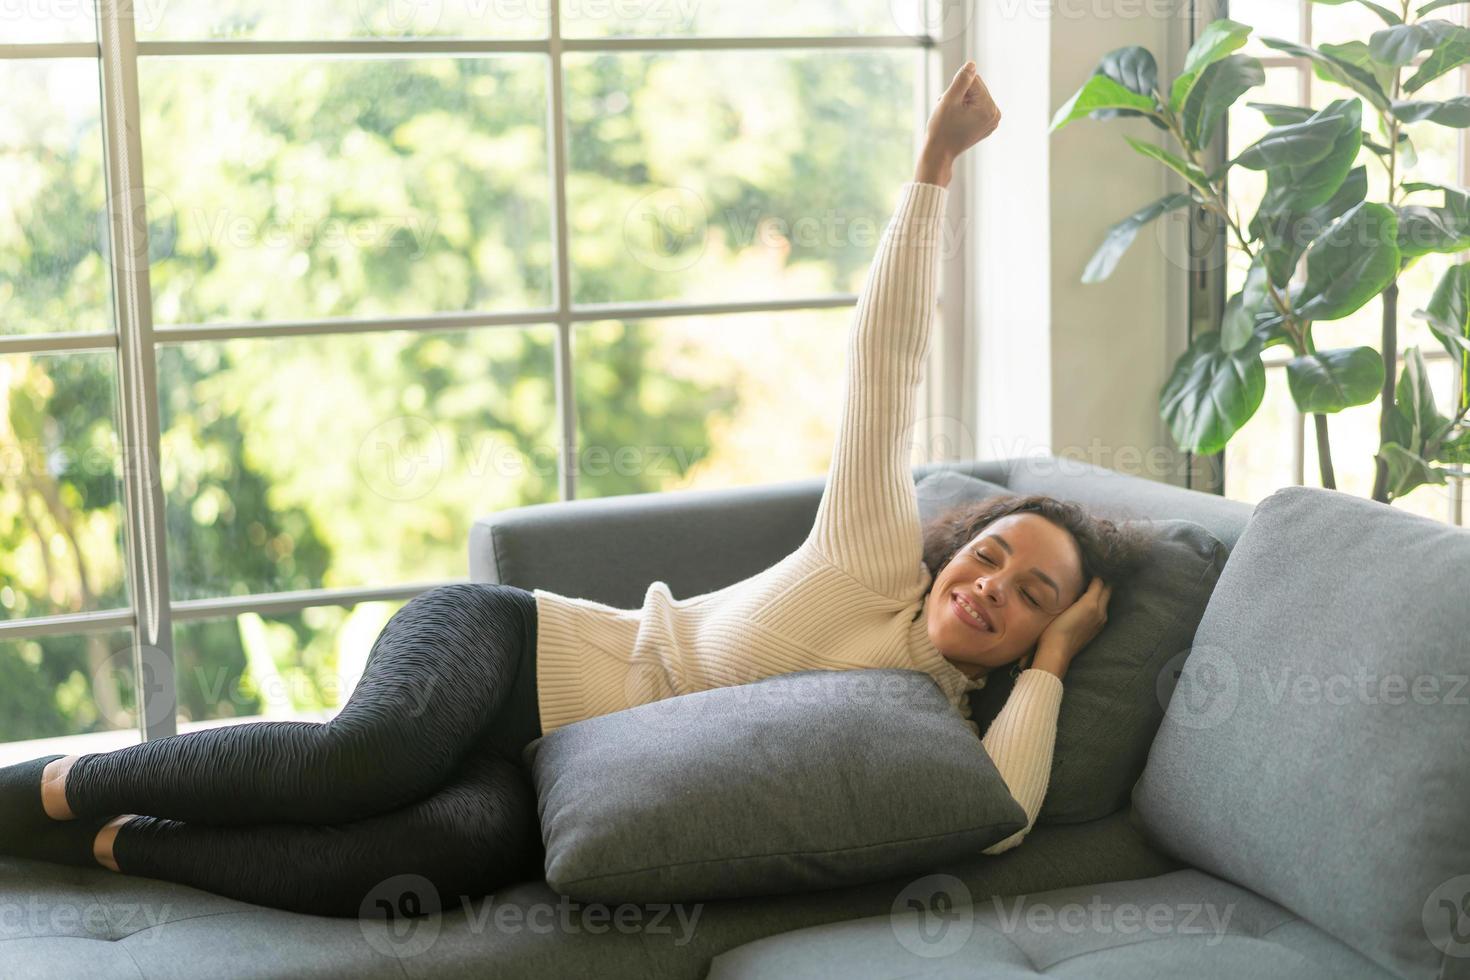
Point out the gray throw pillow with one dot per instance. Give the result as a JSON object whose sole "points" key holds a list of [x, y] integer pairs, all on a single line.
{"points": [[1316, 745], [807, 780], [1111, 707]]}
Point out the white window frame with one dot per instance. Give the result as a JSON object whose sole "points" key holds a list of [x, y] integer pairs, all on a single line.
{"points": [[136, 339]]}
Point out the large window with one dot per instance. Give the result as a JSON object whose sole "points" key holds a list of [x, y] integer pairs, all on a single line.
{"points": [[1276, 447], [293, 293]]}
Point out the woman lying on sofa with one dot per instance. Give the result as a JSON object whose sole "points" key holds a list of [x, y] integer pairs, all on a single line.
{"points": [[421, 771]]}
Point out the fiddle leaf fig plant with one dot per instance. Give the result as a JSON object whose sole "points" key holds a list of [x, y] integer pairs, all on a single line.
{"points": [[1317, 249]]}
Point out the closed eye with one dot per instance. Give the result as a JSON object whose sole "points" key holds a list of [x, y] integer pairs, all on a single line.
{"points": [[981, 555]]}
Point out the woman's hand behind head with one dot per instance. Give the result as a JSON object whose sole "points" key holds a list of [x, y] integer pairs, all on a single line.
{"points": [[1074, 628]]}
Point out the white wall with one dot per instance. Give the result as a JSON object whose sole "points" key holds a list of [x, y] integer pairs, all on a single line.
{"points": [[1063, 367]]}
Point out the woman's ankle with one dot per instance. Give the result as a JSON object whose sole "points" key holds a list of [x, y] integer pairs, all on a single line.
{"points": [[53, 788], [106, 840]]}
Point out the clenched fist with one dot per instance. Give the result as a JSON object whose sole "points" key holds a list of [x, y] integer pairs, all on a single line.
{"points": [[965, 115]]}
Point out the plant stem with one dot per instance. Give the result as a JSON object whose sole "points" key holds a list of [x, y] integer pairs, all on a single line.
{"points": [[1389, 342], [1386, 395], [1298, 333], [1324, 459]]}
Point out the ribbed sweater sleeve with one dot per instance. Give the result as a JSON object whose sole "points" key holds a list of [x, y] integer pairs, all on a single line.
{"points": [[868, 519], [1020, 742]]}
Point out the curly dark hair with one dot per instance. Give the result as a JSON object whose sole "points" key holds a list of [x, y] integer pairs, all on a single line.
{"points": [[1109, 550]]}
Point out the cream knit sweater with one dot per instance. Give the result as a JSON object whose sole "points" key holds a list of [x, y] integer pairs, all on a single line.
{"points": [[851, 596]]}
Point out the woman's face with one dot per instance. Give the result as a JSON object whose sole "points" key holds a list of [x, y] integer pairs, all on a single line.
{"points": [[1019, 573]]}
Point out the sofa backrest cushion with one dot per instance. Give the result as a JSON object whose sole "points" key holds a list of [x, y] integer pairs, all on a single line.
{"points": [[609, 549], [1316, 748], [1111, 706]]}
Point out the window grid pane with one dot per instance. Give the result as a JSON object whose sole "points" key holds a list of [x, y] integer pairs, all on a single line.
{"points": [[166, 233], [302, 665], [53, 270], [717, 390]]}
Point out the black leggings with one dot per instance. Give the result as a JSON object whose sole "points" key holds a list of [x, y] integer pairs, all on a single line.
{"points": [[413, 797]]}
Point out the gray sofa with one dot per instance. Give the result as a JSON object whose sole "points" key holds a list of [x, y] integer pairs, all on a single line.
{"points": [[70, 923]]}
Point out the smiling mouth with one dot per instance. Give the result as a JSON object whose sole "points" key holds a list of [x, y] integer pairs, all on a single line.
{"points": [[964, 615]]}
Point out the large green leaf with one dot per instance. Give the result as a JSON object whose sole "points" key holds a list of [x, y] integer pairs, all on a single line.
{"points": [[1456, 450], [1454, 112], [1212, 393], [1412, 186], [1099, 92], [1448, 312], [1414, 403], [1281, 115], [1357, 53], [1220, 85], [1301, 188], [1135, 69], [1243, 309], [1389, 17], [1183, 168], [1428, 8], [1294, 144], [1333, 69], [1351, 263], [1132, 67], [1407, 470], [1442, 230], [1285, 236], [1330, 380], [1397, 46], [1218, 39], [1122, 234], [1452, 52]]}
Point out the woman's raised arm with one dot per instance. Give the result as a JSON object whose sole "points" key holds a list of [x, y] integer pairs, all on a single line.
{"points": [[868, 520]]}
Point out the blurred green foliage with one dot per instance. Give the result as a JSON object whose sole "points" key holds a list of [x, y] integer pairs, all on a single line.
{"points": [[282, 189]]}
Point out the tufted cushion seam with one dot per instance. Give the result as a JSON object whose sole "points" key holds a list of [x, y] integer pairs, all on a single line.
{"points": [[1144, 939]]}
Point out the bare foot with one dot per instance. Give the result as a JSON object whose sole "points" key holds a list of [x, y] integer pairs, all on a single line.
{"points": [[53, 788], [102, 845]]}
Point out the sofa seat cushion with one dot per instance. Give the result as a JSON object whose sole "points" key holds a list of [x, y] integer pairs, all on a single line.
{"points": [[1182, 924], [65, 923]]}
